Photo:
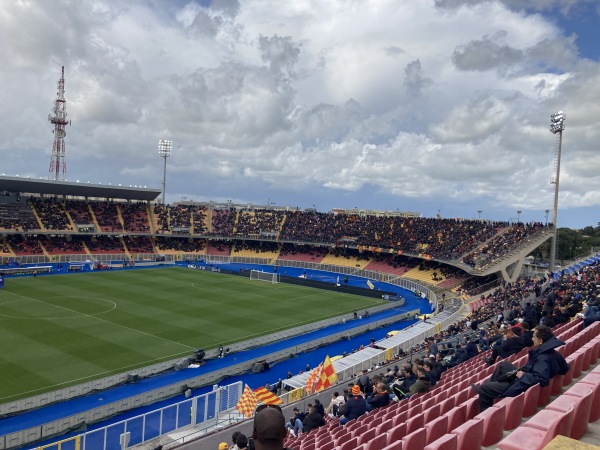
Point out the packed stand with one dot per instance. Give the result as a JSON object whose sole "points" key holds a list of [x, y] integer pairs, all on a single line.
{"points": [[51, 213], [223, 221], [106, 214], [17, 216], [259, 223], [135, 217], [79, 211]]}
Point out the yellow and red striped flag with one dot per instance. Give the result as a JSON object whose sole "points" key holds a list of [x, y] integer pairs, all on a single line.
{"points": [[327, 377], [247, 403], [311, 379], [267, 397]]}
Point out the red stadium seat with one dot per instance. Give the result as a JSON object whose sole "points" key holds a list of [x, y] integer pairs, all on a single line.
{"points": [[396, 433], [469, 435], [493, 424], [348, 445], [436, 429], [514, 411], [536, 438], [377, 443], [397, 445], [415, 440], [456, 416], [415, 423], [580, 397], [531, 400], [446, 442], [385, 426], [366, 436], [592, 379]]}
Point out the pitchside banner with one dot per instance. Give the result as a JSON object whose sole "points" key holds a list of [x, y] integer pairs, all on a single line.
{"points": [[1, 281]]}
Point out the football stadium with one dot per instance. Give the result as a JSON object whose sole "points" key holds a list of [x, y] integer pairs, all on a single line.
{"points": [[130, 323]]}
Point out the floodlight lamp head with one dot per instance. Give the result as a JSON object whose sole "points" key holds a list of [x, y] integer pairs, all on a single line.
{"points": [[164, 148]]}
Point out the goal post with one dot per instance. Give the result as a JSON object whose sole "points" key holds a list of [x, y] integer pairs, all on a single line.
{"points": [[264, 276]]}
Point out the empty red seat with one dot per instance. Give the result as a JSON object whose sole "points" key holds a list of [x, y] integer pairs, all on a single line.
{"points": [[580, 397], [396, 445], [415, 423], [377, 443], [469, 435], [396, 433], [536, 438], [431, 413], [592, 379], [366, 436], [436, 429], [456, 416], [531, 400], [514, 411], [472, 407], [415, 440], [386, 426], [493, 424], [446, 442], [348, 445]]}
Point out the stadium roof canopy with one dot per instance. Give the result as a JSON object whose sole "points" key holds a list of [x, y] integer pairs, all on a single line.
{"points": [[32, 186]]}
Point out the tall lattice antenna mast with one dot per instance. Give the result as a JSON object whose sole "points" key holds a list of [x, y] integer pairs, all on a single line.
{"points": [[58, 166]]}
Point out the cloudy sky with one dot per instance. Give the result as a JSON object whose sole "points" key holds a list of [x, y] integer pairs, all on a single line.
{"points": [[411, 105]]}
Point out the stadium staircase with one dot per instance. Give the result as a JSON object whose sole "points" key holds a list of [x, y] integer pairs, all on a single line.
{"points": [[448, 416], [151, 220], [125, 249], [85, 247], [70, 219], [120, 220], [94, 218], [46, 254], [37, 216]]}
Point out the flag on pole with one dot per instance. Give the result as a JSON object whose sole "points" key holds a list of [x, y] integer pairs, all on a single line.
{"points": [[311, 379], [247, 403], [327, 377], [267, 397]]}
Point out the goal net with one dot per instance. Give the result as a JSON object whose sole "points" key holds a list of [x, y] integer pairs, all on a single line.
{"points": [[264, 276]]}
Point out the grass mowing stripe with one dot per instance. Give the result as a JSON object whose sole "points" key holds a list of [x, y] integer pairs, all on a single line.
{"points": [[157, 314]]}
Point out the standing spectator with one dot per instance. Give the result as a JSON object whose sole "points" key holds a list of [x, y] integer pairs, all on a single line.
{"points": [[241, 442]]}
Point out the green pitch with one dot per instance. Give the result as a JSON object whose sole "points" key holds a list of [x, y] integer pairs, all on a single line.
{"points": [[62, 330]]}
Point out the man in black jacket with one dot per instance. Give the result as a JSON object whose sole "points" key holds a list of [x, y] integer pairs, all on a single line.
{"points": [[544, 363], [510, 345], [313, 420]]}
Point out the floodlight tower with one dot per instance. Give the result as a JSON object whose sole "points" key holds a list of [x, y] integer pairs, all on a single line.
{"points": [[58, 166], [164, 150], [557, 126]]}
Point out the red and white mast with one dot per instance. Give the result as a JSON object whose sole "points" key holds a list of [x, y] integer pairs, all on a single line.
{"points": [[58, 166]]}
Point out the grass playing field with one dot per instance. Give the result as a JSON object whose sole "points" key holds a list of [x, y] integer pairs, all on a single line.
{"points": [[61, 330]]}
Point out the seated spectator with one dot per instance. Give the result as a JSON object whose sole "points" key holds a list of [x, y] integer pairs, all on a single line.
{"points": [[355, 407], [295, 424], [320, 407], [431, 374], [402, 385], [460, 356], [380, 397], [510, 345], [591, 315], [544, 363], [421, 385], [471, 347], [337, 400], [313, 420], [527, 335]]}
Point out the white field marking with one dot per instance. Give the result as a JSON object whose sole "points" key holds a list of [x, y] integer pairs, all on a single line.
{"points": [[59, 318], [107, 321], [95, 376]]}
